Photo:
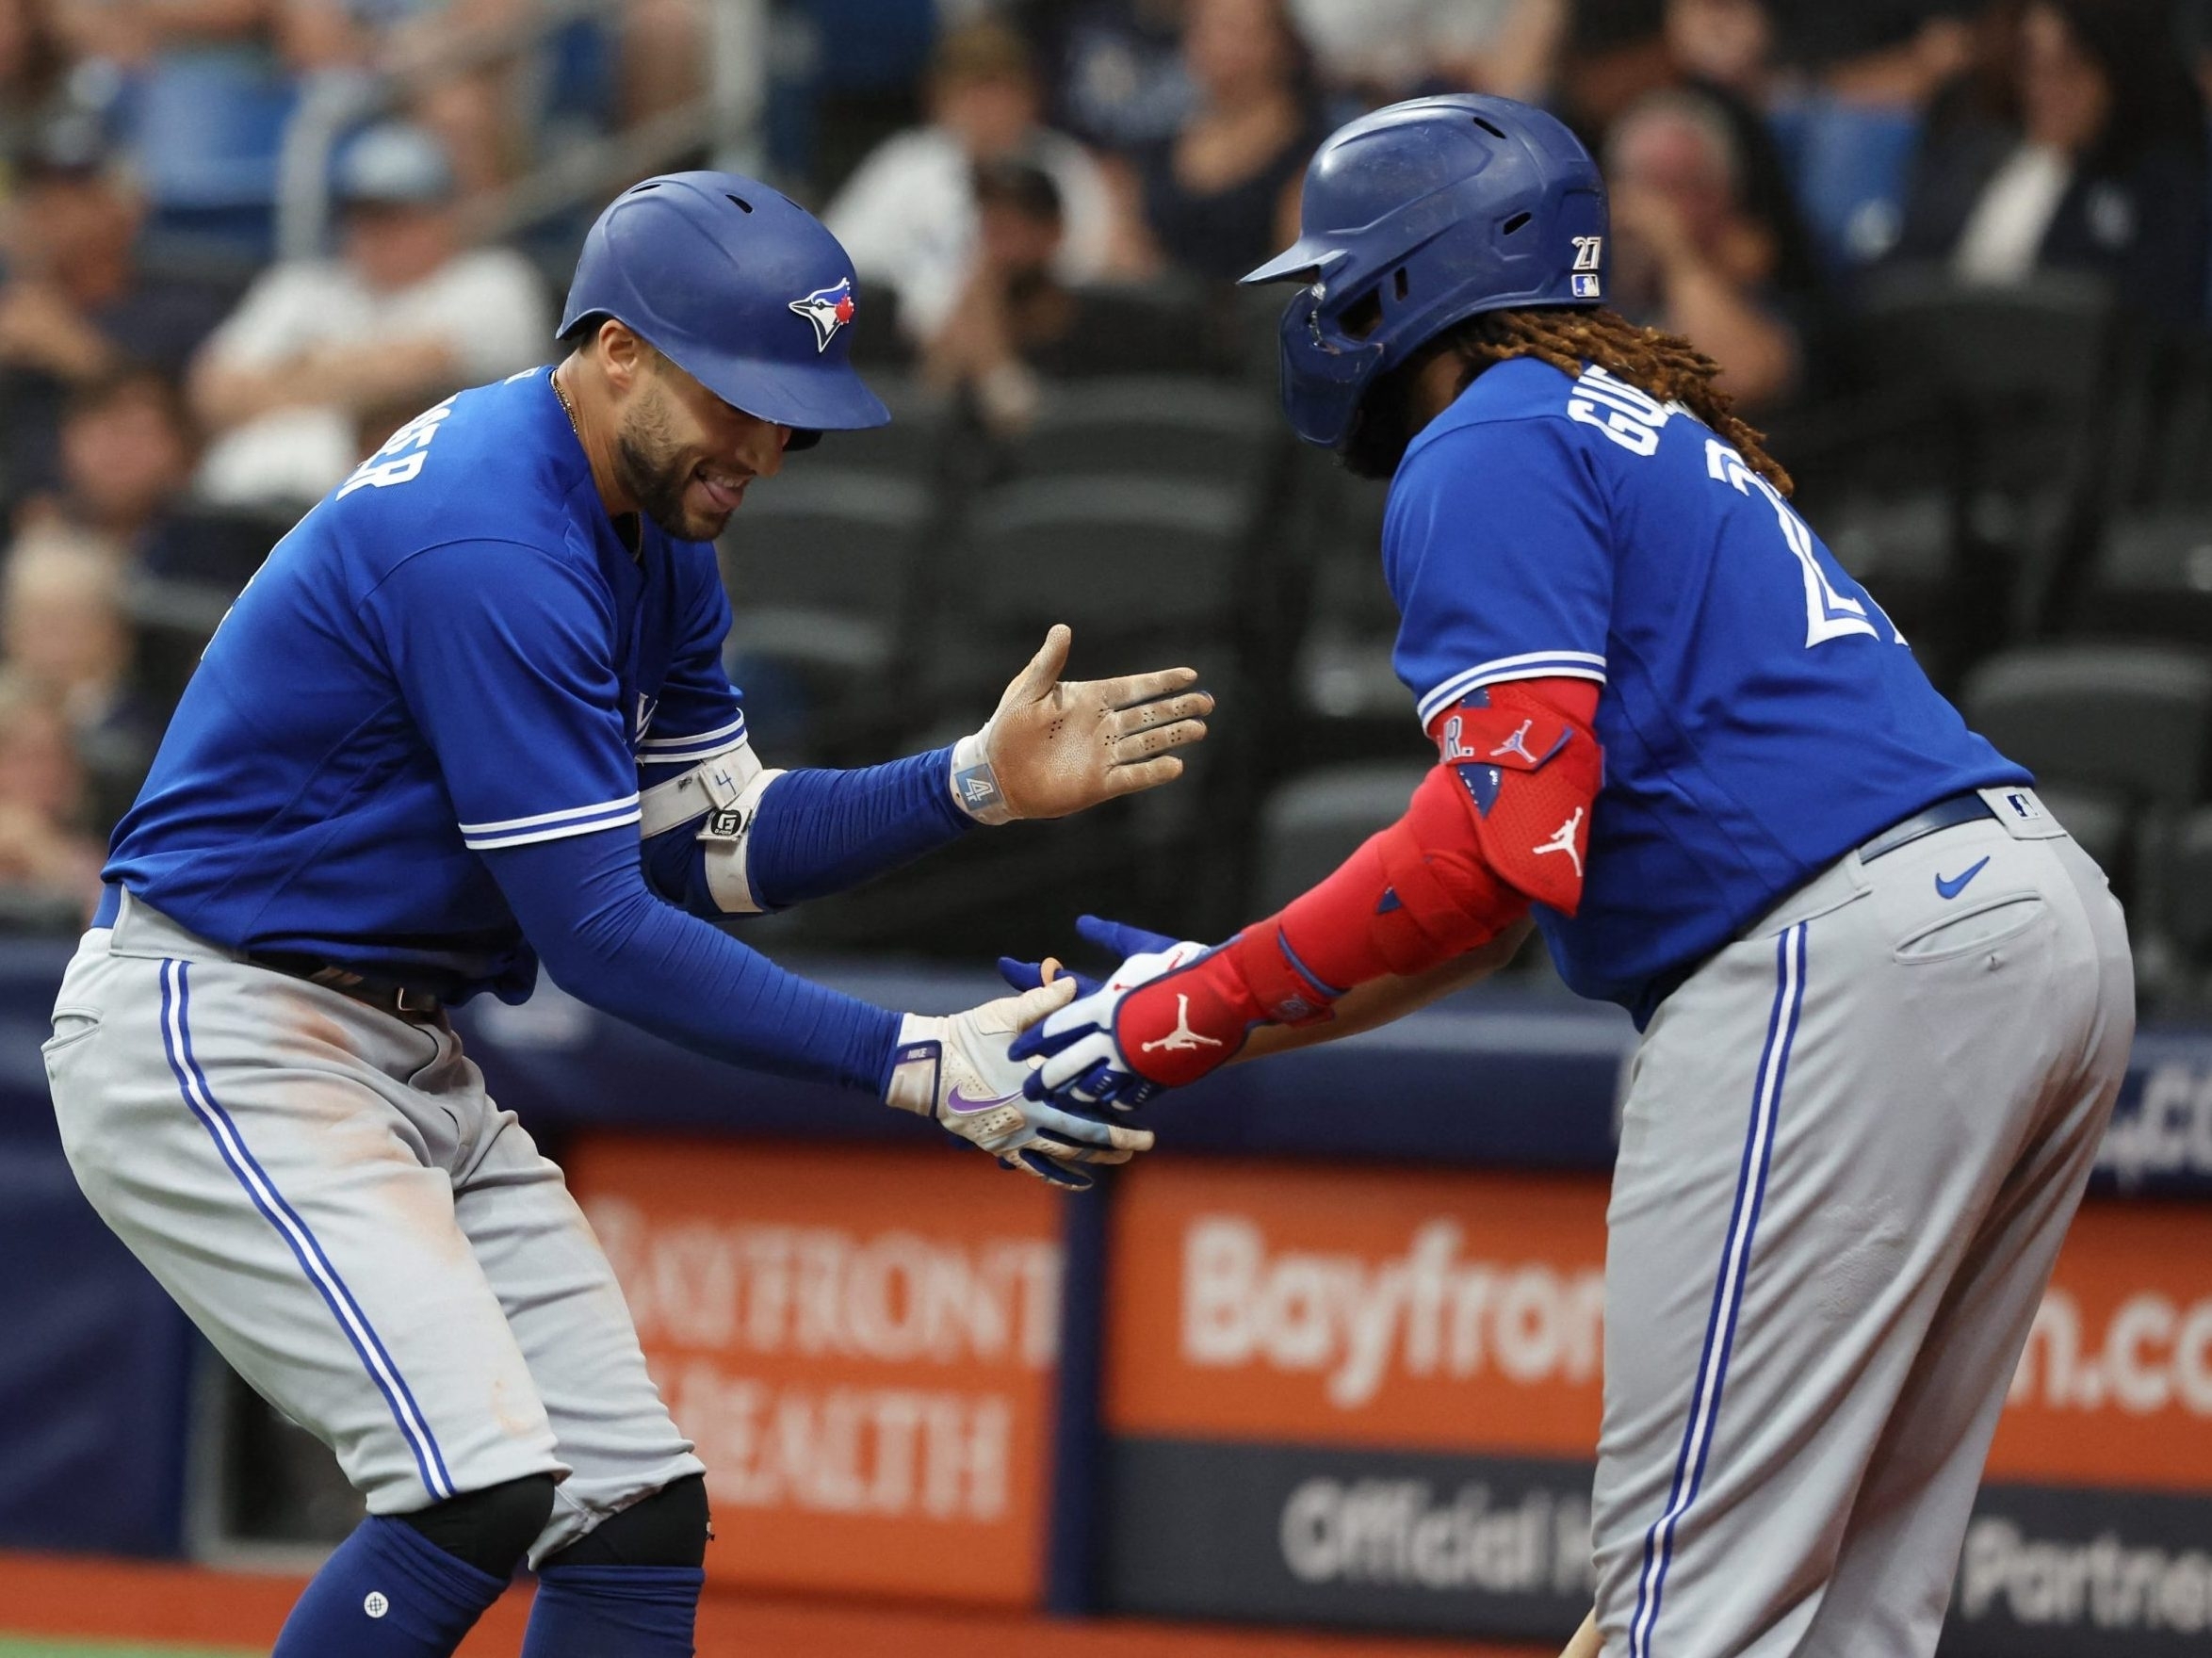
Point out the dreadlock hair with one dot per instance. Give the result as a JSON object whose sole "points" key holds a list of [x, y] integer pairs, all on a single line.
{"points": [[1658, 363]]}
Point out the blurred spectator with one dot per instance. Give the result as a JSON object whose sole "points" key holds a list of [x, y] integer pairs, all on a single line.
{"points": [[1897, 54], [1384, 50], [1018, 326], [1687, 255], [2091, 157], [126, 458], [404, 315], [49, 865], [65, 638], [1723, 43], [1223, 194], [471, 112], [1611, 52], [75, 299], [131, 32], [1115, 68], [33, 58], [908, 215]]}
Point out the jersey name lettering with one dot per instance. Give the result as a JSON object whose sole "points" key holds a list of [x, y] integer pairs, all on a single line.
{"points": [[401, 459], [1630, 417]]}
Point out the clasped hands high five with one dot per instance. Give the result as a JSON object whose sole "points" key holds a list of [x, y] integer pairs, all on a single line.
{"points": [[1051, 748]]}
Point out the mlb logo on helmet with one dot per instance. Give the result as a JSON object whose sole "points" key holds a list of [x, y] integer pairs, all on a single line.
{"points": [[1588, 251], [829, 309]]}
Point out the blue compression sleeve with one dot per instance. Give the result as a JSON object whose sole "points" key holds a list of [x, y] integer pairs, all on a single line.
{"points": [[606, 939], [819, 832]]}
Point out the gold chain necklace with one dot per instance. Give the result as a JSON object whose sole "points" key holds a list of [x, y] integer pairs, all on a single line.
{"points": [[567, 408]]}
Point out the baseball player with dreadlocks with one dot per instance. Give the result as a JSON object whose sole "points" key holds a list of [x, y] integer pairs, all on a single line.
{"points": [[471, 715], [1886, 1002]]}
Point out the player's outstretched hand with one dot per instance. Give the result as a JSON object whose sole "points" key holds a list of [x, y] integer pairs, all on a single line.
{"points": [[957, 1071], [1161, 1019], [1055, 746]]}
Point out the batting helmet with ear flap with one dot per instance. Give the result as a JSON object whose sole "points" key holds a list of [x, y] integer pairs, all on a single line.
{"points": [[739, 287], [1415, 216]]}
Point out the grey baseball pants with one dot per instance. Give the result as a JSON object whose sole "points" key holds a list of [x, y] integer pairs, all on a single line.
{"points": [[1852, 1143], [378, 1249]]}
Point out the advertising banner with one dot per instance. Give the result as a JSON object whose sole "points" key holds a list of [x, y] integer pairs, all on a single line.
{"points": [[1372, 1398], [861, 1341], [1364, 1397]]}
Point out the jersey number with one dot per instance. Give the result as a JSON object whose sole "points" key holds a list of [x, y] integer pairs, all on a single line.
{"points": [[1828, 614]]}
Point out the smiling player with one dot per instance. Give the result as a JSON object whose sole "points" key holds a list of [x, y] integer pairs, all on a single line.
{"points": [[471, 716], [1886, 1002]]}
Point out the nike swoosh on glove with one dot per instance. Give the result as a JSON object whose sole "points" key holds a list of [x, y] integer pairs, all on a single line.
{"points": [[1163, 1020], [957, 1071]]}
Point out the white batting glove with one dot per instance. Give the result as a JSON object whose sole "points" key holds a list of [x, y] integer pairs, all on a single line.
{"points": [[956, 1069], [1056, 746]]}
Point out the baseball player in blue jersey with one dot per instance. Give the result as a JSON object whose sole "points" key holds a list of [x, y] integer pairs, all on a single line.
{"points": [[468, 717], [1886, 1002]]}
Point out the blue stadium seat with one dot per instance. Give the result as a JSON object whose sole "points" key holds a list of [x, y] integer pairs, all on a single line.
{"points": [[205, 128], [1850, 164]]}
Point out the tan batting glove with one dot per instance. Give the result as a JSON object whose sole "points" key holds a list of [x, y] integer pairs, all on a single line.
{"points": [[1056, 746]]}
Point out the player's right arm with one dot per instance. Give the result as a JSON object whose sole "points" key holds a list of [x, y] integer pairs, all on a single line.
{"points": [[501, 657], [1497, 547]]}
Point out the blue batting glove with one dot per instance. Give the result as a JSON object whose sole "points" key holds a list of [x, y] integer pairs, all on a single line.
{"points": [[1117, 938]]}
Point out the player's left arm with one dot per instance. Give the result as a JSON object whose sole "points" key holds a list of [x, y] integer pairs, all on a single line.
{"points": [[726, 836]]}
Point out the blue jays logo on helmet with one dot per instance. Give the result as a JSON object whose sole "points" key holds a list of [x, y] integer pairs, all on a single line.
{"points": [[1417, 216], [829, 309], [703, 266]]}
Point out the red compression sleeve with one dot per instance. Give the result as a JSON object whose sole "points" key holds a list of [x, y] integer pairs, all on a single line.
{"points": [[1502, 821]]}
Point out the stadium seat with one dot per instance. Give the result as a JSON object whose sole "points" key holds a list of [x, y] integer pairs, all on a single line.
{"points": [[1849, 164], [821, 568], [2100, 821], [213, 546], [2188, 891], [2132, 720], [173, 620], [1128, 557], [1313, 823], [1162, 426], [205, 128], [914, 445], [2152, 577]]}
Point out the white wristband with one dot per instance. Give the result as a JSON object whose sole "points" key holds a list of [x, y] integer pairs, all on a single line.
{"points": [[917, 1063], [975, 786]]}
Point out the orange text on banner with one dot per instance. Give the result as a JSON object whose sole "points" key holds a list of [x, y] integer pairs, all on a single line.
{"points": [[861, 1341]]}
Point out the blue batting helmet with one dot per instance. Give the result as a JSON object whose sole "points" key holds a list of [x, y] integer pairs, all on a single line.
{"points": [[739, 287], [1419, 215]]}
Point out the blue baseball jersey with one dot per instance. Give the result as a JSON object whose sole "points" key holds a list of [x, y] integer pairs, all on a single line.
{"points": [[454, 652], [1760, 715]]}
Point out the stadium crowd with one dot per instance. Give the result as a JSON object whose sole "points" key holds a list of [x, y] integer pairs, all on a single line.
{"points": [[1048, 195]]}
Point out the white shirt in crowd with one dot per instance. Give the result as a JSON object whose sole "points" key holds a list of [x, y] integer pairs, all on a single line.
{"points": [[1395, 43], [2006, 229], [486, 306], [907, 217]]}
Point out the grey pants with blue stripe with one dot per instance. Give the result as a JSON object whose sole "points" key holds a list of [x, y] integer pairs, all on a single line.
{"points": [[377, 1248], [1852, 1143]]}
